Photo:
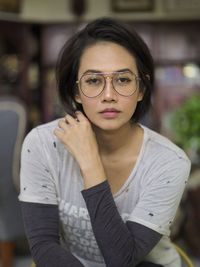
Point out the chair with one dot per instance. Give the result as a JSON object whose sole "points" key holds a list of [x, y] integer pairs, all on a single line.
{"points": [[12, 129], [185, 258]]}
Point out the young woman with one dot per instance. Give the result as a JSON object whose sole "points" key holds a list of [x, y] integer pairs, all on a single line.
{"points": [[97, 187]]}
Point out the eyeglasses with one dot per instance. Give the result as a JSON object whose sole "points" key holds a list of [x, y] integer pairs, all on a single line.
{"points": [[93, 84]]}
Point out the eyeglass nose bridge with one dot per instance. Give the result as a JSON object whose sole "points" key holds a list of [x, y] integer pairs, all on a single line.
{"points": [[110, 77]]}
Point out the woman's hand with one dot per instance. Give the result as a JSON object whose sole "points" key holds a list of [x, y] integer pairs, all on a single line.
{"points": [[77, 136], [79, 139]]}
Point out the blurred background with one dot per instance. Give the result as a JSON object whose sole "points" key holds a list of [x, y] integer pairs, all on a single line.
{"points": [[32, 32]]}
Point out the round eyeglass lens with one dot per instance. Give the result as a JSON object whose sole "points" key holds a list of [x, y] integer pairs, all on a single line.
{"points": [[125, 83], [92, 84]]}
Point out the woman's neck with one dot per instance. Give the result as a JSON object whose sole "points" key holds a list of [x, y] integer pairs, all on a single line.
{"points": [[114, 142]]}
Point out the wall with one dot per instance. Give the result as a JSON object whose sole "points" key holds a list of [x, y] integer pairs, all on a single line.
{"points": [[59, 11]]}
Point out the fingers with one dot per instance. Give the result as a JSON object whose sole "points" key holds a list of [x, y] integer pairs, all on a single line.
{"points": [[61, 129], [80, 116], [69, 119], [67, 122], [58, 132], [62, 124]]}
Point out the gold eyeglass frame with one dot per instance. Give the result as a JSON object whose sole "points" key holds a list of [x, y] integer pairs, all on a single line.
{"points": [[109, 75]]}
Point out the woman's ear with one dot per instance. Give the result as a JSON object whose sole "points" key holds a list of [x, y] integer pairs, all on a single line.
{"points": [[78, 99], [142, 88], [140, 95], [77, 95]]}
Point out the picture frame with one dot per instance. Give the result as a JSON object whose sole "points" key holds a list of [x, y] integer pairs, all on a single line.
{"points": [[175, 6], [10, 6], [132, 5]]}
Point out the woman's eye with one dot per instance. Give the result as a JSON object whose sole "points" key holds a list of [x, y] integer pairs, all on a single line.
{"points": [[93, 81], [123, 80]]}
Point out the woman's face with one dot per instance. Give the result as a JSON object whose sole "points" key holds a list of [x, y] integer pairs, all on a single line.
{"points": [[109, 110]]}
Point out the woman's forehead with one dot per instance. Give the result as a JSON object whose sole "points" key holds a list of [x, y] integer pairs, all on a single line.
{"points": [[107, 57]]}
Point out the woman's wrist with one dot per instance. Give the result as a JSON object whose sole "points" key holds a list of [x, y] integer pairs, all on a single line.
{"points": [[93, 172]]}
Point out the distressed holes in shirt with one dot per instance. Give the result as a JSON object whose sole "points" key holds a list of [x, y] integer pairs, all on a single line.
{"points": [[44, 186], [24, 188], [54, 144], [28, 150], [46, 170], [168, 182], [151, 214]]}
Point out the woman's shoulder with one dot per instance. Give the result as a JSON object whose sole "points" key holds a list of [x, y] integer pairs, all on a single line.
{"points": [[161, 145], [47, 127], [163, 158], [43, 133]]}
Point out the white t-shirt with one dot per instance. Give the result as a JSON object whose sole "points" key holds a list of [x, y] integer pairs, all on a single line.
{"points": [[150, 196]]}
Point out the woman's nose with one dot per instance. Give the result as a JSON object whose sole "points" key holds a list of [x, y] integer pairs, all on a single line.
{"points": [[109, 93]]}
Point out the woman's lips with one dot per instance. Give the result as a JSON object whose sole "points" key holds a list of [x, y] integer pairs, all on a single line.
{"points": [[110, 113]]}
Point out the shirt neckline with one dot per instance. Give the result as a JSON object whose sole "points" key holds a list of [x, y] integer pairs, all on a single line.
{"points": [[135, 167]]}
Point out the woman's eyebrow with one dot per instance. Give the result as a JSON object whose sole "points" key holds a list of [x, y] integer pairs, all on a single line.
{"points": [[98, 71]]}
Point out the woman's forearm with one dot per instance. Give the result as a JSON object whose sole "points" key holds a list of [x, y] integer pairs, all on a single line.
{"points": [[41, 226], [121, 244]]}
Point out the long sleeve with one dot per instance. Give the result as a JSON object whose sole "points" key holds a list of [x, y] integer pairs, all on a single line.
{"points": [[42, 230], [122, 244]]}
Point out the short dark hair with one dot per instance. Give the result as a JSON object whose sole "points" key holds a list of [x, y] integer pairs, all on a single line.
{"points": [[111, 30]]}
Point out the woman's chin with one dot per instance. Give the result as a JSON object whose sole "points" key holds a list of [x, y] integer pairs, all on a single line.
{"points": [[107, 126]]}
